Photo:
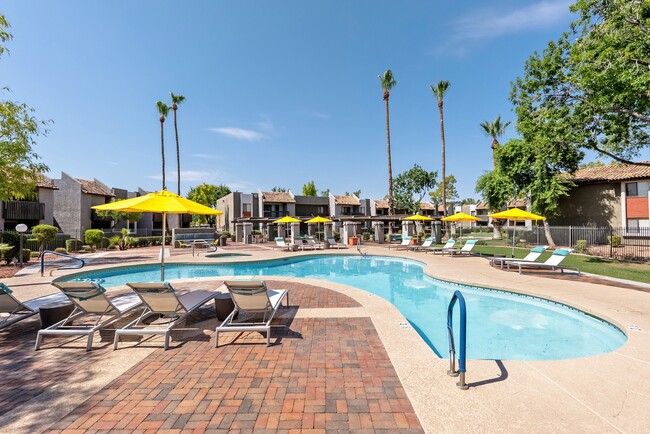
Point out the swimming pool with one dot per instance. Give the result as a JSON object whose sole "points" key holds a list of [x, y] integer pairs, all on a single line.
{"points": [[500, 325]]}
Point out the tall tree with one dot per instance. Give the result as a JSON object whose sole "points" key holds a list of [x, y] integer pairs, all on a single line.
{"points": [[411, 186], [208, 195], [451, 193], [387, 84], [163, 110], [176, 100], [496, 189], [495, 130], [439, 91], [19, 166], [279, 189], [325, 193], [309, 189], [590, 87]]}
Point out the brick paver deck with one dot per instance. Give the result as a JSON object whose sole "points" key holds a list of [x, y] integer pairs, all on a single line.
{"points": [[321, 375]]}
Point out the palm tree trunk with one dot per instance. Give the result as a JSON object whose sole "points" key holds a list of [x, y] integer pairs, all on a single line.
{"points": [[496, 228], [495, 145], [162, 147], [549, 237], [178, 154], [391, 205], [442, 136]]}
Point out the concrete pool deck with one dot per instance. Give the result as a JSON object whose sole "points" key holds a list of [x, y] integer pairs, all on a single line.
{"points": [[606, 393]]}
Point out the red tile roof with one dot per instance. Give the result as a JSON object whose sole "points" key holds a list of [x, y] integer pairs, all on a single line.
{"points": [[426, 205], [93, 187], [346, 200], [381, 204], [612, 172], [45, 182], [278, 197]]}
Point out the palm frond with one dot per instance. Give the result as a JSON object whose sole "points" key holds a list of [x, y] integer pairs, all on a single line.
{"points": [[387, 80], [163, 109]]}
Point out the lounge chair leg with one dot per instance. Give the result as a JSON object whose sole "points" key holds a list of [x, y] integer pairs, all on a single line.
{"points": [[39, 339], [89, 345], [216, 340], [115, 341], [268, 337], [166, 341]]}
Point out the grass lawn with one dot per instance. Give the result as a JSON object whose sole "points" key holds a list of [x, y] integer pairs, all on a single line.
{"points": [[636, 271]]}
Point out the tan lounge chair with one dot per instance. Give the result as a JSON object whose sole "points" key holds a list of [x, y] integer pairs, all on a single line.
{"points": [[89, 299], [161, 299], [552, 263], [251, 297], [17, 310]]}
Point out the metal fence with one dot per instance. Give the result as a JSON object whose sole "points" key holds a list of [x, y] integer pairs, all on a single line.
{"points": [[619, 243]]}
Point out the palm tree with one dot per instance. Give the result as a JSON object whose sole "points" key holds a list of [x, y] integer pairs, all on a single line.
{"points": [[439, 91], [495, 130], [176, 100], [387, 83], [163, 109]]}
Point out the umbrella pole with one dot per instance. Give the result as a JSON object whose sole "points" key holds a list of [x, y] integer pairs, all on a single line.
{"points": [[514, 228], [162, 253]]}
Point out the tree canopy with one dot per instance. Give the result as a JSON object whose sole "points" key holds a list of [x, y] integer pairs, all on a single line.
{"points": [[309, 189], [19, 166], [590, 88], [208, 195], [411, 186], [451, 193]]}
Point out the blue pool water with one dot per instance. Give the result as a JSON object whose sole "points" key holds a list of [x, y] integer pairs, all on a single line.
{"points": [[500, 325]]}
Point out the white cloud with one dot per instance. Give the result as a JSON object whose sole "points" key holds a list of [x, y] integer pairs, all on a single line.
{"points": [[207, 156], [488, 23], [315, 114], [266, 125], [189, 176], [239, 133]]}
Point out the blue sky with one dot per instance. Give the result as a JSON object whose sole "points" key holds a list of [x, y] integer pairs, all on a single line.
{"points": [[277, 93]]}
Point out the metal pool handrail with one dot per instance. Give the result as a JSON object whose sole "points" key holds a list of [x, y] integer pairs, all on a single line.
{"points": [[79, 264], [462, 355]]}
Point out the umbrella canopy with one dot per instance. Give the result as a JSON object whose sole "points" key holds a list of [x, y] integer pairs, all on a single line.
{"points": [[418, 218], [319, 219], [287, 219], [515, 214], [460, 217], [164, 202]]}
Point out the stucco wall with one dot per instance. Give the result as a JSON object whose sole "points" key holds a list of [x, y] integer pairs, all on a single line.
{"points": [[591, 205], [67, 203]]}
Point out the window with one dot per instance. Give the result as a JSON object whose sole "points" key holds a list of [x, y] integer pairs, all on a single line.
{"points": [[632, 189], [637, 225]]}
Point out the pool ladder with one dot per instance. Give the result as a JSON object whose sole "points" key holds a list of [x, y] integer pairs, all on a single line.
{"points": [[79, 263], [463, 340]]}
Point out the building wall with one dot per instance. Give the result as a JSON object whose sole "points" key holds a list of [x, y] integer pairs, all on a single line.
{"points": [[227, 206], [591, 205], [46, 197], [67, 203]]}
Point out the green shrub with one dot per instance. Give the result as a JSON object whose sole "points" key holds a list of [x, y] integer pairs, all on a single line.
{"points": [[44, 234], [615, 240], [94, 237], [86, 248], [581, 246], [365, 236], [73, 245], [60, 250]]}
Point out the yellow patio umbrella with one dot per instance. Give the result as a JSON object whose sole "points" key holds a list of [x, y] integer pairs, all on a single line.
{"points": [[460, 217], [418, 218], [287, 219], [164, 202], [318, 219], [515, 215]]}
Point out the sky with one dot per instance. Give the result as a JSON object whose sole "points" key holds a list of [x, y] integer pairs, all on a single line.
{"points": [[278, 93]]}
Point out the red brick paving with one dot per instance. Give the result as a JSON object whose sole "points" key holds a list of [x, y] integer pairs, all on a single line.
{"points": [[321, 375]]}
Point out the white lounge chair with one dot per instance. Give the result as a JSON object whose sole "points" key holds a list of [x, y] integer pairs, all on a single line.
{"points": [[426, 244], [406, 241], [334, 245], [17, 310], [89, 299], [466, 250], [279, 242], [532, 256], [251, 297], [449, 245], [161, 299], [552, 263], [310, 244]]}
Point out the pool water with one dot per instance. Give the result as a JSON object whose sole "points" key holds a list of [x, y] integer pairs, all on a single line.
{"points": [[500, 325]]}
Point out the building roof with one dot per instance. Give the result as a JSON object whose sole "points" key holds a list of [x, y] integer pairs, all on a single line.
{"points": [[45, 182], [381, 204], [426, 205], [278, 197], [481, 205], [517, 203], [93, 187], [346, 200], [612, 172]]}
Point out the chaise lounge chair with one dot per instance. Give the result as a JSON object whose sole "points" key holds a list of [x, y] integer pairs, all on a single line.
{"points": [[18, 310], [552, 263], [310, 244], [532, 256], [449, 245], [403, 245], [89, 299], [466, 250], [426, 244], [251, 297], [279, 242], [334, 245], [161, 299]]}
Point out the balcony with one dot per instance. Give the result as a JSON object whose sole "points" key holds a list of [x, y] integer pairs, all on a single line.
{"points": [[275, 214], [23, 210]]}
